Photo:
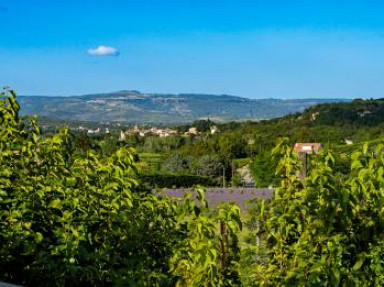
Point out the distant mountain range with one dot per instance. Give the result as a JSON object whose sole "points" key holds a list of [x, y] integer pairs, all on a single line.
{"points": [[136, 107]]}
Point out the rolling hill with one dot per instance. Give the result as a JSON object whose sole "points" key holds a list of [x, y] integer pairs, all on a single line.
{"points": [[136, 107]]}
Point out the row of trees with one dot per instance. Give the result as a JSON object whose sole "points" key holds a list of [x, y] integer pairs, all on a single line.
{"points": [[208, 165]]}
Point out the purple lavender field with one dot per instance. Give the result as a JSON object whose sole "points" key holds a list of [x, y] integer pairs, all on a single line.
{"points": [[215, 195]]}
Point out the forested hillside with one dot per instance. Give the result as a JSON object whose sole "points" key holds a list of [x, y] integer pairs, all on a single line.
{"points": [[338, 126], [230, 149]]}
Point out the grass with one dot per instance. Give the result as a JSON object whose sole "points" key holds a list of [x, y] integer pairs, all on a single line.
{"points": [[151, 162], [240, 162]]}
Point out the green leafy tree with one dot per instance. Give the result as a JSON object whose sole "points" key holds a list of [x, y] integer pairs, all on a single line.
{"points": [[208, 256], [71, 219], [263, 170], [178, 164], [328, 231], [209, 165]]}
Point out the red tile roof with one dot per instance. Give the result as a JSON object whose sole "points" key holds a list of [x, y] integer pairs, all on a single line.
{"points": [[308, 147]]}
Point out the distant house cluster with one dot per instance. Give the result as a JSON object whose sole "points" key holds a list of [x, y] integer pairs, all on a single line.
{"points": [[143, 130], [161, 132], [95, 131]]}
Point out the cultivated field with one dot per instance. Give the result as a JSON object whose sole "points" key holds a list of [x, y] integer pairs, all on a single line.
{"points": [[215, 195]]}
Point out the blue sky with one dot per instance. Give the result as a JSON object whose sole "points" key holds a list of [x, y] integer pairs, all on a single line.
{"points": [[256, 49]]}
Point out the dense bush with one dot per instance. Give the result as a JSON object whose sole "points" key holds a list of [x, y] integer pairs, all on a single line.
{"points": [[328, 231], [71, 219], [178, 164], [210, 165], [263, 170]]}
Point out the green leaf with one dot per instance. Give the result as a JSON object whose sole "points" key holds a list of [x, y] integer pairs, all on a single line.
{"points": [[56, 203], [358, 264], [38, 237]]}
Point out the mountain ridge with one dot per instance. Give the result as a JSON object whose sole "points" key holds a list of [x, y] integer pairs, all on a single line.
{"points": [[132, 106]]}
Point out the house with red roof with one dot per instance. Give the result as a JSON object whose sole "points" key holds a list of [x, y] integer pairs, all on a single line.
{"points": [[307, 147]]}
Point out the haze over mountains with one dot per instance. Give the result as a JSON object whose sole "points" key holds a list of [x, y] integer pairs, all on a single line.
{"points": [[135, 107]]}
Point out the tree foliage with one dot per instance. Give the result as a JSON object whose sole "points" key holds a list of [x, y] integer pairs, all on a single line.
{"points": [[71, 219], [263, 170], [328, 231], [209, 165], [178, 163]]}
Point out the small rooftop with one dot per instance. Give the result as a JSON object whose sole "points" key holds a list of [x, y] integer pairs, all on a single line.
{"points": [[308, 147]]}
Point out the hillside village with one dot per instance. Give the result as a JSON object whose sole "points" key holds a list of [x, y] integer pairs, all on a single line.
{"points": [[161, 132], [143, 131]]}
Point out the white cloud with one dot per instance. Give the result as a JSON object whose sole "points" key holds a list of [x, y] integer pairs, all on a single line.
{"points": [[104, 51]]}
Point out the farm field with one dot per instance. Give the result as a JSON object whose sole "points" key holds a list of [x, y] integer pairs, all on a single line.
{"points": [[216, 195]]}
